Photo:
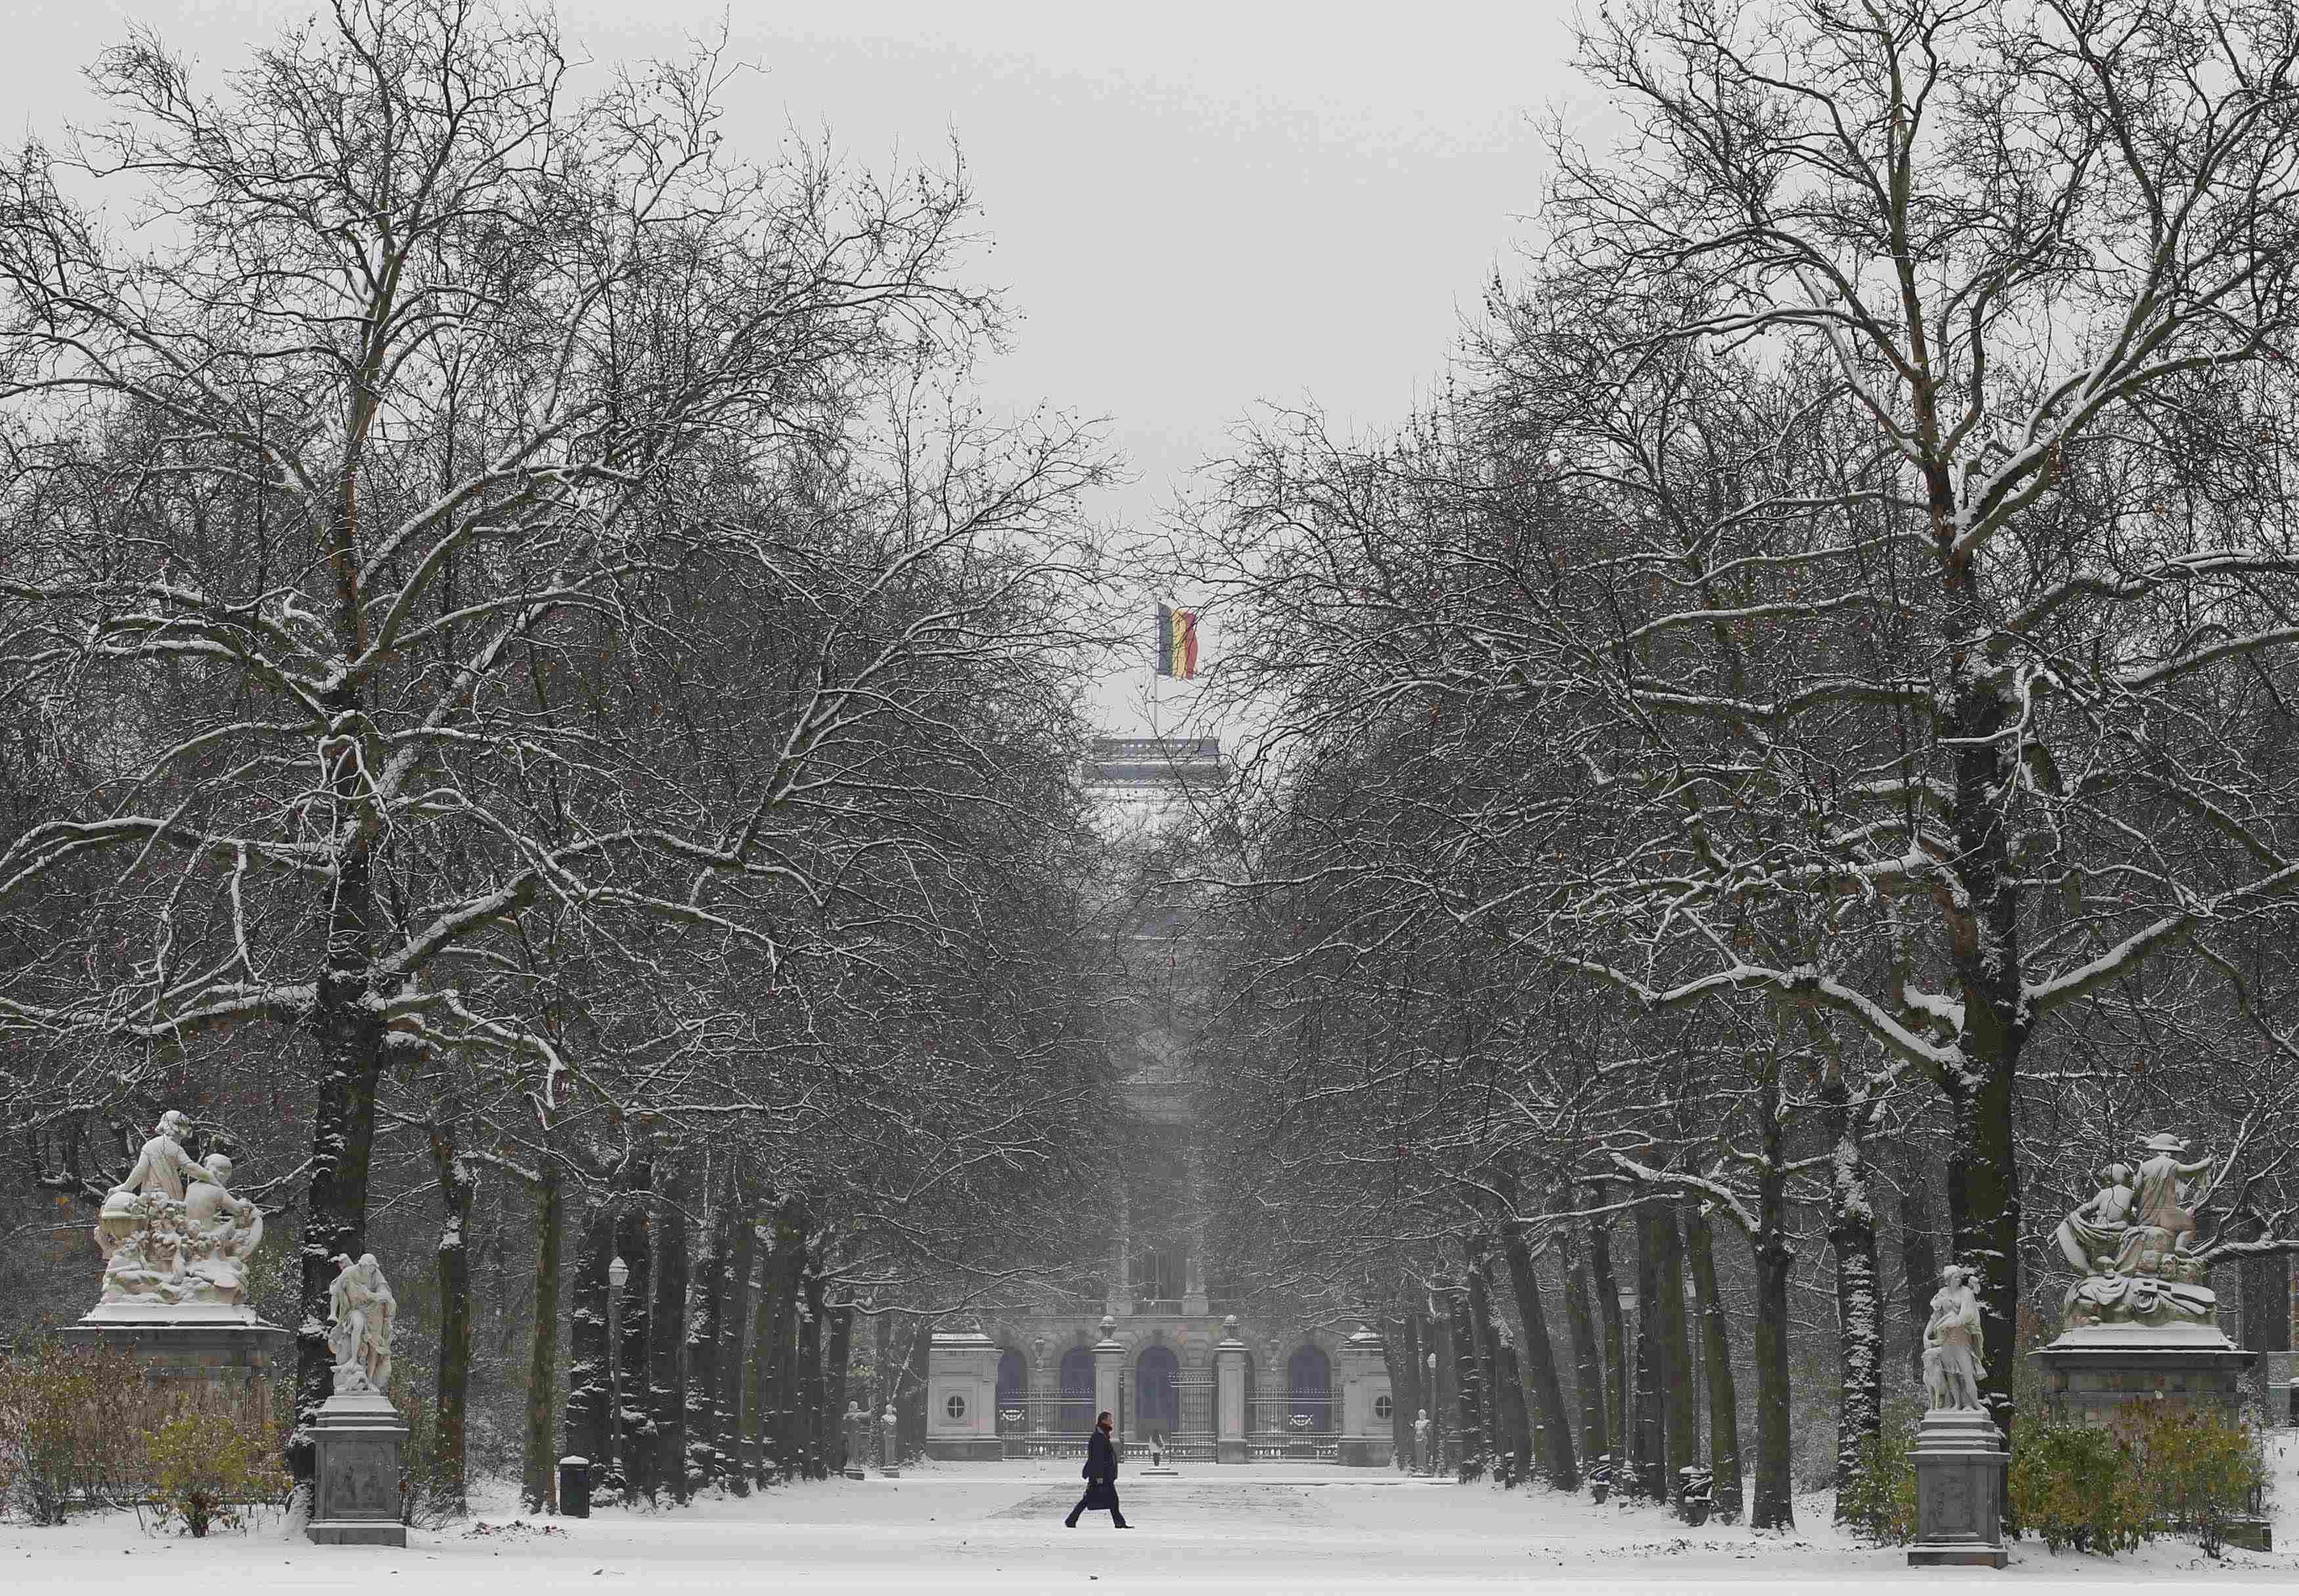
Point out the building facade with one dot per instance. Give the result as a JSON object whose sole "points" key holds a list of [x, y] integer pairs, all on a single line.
{"points": [[1185, 1373]]}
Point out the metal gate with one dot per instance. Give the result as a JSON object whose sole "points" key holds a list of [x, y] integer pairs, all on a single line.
{"points": [[1291, 1426]]}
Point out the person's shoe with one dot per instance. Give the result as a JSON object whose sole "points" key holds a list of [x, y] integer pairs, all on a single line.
{"points": [[1069, 1524], [1121, 1524]]}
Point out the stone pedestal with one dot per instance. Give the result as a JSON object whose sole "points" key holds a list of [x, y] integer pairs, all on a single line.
{"points": [[1368, 1439], [1229, 1445], [355, 1473], [1960, 1457], [2092, 1372], [226, 1354], [962, 1397]]}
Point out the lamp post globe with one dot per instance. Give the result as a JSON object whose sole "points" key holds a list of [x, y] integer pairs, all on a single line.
{"points": [[618, 1272]]}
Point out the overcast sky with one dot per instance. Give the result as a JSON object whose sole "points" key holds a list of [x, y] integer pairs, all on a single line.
{"points": [[1194, 206]]}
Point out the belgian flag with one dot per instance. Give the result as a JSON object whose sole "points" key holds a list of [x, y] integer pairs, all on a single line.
{"points": [[1175, 645]]}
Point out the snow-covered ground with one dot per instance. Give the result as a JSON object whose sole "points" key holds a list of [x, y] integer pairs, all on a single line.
{"points": [[1261, 1530]]}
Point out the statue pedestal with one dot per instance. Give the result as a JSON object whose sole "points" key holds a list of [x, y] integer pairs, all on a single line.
{"points": [[355, 1473], [1960, 1457], [221, 1358], [2091, 1372]]}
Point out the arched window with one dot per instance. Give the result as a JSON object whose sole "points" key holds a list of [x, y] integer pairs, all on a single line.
{"points": [[1076, 1416], [1156, 1393], [1309, 1386]]}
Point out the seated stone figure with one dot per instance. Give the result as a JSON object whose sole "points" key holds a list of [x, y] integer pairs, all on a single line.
{"points": [[2134, 1245], [172, 1233]]}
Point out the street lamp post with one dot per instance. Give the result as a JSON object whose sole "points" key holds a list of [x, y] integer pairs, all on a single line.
{"points": [[619, 1274], [1631, 1451]]}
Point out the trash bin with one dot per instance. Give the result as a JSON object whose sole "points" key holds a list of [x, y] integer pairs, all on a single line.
{"points": [[575, 1487]]}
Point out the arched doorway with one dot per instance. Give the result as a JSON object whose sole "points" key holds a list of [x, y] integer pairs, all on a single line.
{"points": [[1075, 1415], [1309, 1390], [1013, 1385], [1156, 1394]]}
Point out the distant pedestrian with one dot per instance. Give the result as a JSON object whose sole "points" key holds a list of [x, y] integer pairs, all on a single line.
{"points": [[1100, 1476]]}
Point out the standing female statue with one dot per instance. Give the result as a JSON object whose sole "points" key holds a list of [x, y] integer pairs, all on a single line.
{"points": [[1953, 1370]]}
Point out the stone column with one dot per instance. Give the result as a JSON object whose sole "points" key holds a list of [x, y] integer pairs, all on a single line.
{"points": [[1230, 1354], [1960, 1458], [1110, 1373]]}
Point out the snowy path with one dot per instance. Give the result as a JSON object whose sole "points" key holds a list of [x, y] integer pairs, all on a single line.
{"points": [[1262, 1530]]}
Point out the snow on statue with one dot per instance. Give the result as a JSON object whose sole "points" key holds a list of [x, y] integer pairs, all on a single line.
{"points": [[2134, 1242], [1953, 1370], [360, 1308], [171, 1234]]}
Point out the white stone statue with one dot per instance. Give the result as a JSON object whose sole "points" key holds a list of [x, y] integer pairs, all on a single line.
{"points": [[1421, 1427], [172, 1233], [1953, 1370], [2133, 1245], [890, 1446], [360, 1309], [164, 1169]]}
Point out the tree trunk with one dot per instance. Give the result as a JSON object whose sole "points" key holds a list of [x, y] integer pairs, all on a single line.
{"points": [[667, 1364], [1984, 951], [1617, 1373], [837, 1358], [1919, 1266], [1488, 1349], [1773, 1505], [1403, 1361], [1680, 1380], [641, 1474], [881, 1362], [590, 1391], [1651, 1415], [1514, 1415], [458, 1189], [910, 1404], [1859, 1343], [1588, 1364], [2266, 1324], [349, 1033], [809, 1391], [785, 1259], [1716, 1351], [737, 1380], [538, 1460], [1467, 1364], [1538, 1355], [706, 1314]]}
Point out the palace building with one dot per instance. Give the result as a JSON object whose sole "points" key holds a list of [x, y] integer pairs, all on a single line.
{"points": [[1162, 1348]]}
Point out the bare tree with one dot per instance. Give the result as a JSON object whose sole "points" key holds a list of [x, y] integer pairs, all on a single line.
{"points": [[382, 443]]}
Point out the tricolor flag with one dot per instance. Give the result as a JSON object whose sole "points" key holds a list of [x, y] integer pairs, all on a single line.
{"points": [[1176, 643]]}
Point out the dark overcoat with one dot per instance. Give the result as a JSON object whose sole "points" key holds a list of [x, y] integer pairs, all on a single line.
{"points": [[1100, 1470]]}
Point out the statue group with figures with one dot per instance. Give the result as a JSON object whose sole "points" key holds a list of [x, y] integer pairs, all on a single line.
{"points": [[2133, 1243], [171, 1234]]}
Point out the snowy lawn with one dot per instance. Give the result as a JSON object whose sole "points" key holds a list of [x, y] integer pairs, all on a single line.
{"points": [[953, 1528]]}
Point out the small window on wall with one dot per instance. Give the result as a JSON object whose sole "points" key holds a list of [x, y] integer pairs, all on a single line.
{"points": [[1382, 1406], [955, 1407]]}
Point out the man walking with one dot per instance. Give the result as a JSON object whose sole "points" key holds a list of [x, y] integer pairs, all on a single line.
{"points": [[1100, 1476]]}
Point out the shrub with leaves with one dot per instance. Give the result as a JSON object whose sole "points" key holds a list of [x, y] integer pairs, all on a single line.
{"points": [[2078, 1485], [1881, 1502], [2201, 1469], [207, 1471], [70, 1423]]}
